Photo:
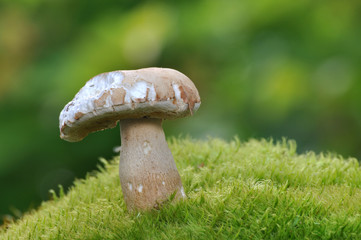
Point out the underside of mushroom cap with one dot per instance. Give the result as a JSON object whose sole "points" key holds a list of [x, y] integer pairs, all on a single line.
{"points": [[109, 97]]}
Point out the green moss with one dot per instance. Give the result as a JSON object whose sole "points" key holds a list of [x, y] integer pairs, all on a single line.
{"points": [[251, 190]]}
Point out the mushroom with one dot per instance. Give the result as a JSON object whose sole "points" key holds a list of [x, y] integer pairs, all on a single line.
{"points": [[139, 100]]}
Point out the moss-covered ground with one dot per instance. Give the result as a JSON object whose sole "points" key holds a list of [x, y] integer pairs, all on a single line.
{"points": [[236, 190]]}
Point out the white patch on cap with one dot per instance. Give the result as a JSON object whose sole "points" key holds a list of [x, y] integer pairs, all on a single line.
{"points": [[138, 90], [140, 188], [83, 101], [108, 101], [177, 92], [127, 98], [152, 94], [196, 106]]}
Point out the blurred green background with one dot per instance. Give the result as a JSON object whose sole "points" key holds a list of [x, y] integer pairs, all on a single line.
{"points": [[263, 69]]}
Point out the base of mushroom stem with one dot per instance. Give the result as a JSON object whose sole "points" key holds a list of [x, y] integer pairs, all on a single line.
{"points": [[147, 171], [152, 190]]}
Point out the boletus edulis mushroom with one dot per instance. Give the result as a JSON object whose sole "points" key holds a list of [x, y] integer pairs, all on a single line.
{"points": [[140, 100]]}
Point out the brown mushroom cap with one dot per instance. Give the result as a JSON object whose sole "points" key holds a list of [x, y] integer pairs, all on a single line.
{"points": [[109, 97]]}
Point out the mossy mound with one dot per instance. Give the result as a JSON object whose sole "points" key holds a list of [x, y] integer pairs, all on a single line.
{"points": [[251, 190]]}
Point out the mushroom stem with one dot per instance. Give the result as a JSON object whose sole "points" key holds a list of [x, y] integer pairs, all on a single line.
{"points": [[147, 171]]}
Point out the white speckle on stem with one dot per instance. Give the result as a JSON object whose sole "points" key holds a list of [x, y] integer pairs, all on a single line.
{"points": [[163, 183], [130, 186], [117, 149], [146, 147], [182, 192], [140, 188]]}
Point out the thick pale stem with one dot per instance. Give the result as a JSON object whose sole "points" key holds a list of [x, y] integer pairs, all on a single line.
{"points": [[147, 171]]}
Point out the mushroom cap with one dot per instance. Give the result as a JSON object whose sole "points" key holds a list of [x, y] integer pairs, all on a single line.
{"points": [[109, 97]]}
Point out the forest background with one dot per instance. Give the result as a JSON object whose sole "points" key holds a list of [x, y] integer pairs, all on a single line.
{"points": [[264, 69]]}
